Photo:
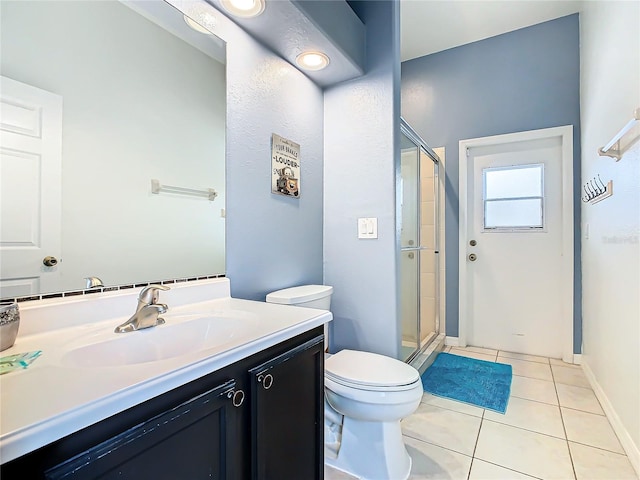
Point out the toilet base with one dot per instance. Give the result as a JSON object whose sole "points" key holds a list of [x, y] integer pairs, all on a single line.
{"points": [[372, 451]]}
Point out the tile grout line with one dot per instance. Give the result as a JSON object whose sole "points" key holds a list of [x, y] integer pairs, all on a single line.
{"points": [[475, 446], [455, 411], [451, 409], [510, 469], [600, 448], [537, 401], [566, 436], [584, 411], [478, 438], [422, 440], [524, 359], [527, 430]]}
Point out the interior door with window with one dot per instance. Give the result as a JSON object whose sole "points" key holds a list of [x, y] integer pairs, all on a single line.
{"points": [[515, 284]]}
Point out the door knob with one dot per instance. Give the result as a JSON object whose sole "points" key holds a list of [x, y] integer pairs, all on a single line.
{"points": [[473, 257], [50, 261]]}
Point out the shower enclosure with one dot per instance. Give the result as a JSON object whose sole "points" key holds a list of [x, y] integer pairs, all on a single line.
{"points": [[419, 261]]}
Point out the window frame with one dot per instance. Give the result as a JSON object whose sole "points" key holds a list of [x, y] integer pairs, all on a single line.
{"points": [[541, 197]]}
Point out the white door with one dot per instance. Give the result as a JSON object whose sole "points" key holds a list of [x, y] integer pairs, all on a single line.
{"points": [[30, 188], [518, 285]]}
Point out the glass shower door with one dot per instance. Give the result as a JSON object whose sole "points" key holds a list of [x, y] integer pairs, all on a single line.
{"points": [[418, 246], [409, 253]]}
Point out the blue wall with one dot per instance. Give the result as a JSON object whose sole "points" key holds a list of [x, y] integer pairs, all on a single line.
{"points": [[272, 241], [523, 80], [361, 145]]}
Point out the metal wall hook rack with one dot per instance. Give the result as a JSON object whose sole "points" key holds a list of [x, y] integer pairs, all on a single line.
{"points": [[595, 190], [615, 148], [208, 193]]}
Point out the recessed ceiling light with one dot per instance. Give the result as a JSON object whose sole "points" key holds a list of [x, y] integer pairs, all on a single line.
{"points": [[244, 8], [312, 60], [205, 18]]}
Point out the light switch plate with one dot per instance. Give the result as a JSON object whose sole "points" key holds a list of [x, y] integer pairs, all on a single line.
{"points": [[368, 227]]}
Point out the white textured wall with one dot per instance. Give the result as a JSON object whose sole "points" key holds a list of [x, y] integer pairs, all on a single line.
{"points": [[361, 163], [138, 104], [610, 86]]}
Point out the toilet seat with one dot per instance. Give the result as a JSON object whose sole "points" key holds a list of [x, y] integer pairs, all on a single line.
{"points": [[370, 372]]}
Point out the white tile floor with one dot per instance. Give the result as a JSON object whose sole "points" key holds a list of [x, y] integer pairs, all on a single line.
{"points": [[554, 428]]}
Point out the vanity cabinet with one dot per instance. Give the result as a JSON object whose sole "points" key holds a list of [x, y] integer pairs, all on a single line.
{"points": [[259, 418]]}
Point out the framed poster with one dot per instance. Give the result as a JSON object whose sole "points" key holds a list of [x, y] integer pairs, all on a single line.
{"points": [[285, 166]]}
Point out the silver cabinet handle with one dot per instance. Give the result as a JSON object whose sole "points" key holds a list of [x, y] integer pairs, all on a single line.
{"points": [[266, 380], [236, 396]]}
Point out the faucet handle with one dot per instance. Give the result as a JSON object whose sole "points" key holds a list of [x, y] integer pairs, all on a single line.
{"points": [[150, 294]]}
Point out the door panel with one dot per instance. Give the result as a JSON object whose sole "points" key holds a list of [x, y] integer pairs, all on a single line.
{"points": [[515, 279], [30, 188], [194, 440]]}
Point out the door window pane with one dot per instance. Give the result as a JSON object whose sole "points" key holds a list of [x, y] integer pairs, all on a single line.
{"points": [[513, 182], [513, 197], [513, 213]]}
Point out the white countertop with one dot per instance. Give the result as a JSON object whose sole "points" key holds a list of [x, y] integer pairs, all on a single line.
{"points": [[53, 398]]}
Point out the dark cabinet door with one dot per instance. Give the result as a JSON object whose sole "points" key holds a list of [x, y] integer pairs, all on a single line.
{"points": [[194, 440], [287, 410]]}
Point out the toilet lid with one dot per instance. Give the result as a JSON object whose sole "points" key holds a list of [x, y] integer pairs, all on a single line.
{"points": [[367, 369]]}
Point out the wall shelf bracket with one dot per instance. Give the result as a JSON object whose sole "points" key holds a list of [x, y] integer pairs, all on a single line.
{"points": [[616, 148]]}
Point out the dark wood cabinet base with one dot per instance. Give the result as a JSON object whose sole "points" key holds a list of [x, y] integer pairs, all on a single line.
{"points": [[260, 418]]}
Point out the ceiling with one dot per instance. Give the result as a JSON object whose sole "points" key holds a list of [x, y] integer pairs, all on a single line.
{"points": [[429, 26]]}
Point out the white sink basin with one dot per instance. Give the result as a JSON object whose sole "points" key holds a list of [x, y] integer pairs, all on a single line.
{"points": [[155, 343]]}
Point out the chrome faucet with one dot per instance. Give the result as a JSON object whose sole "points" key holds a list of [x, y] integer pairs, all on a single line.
{"points": [[147, 312], [93, 282]]}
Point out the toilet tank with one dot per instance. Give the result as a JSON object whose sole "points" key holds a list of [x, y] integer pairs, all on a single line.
{"points": [[311, 296]]}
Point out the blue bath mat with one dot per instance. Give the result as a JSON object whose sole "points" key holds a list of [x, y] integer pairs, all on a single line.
{"points": [[476, 382]]}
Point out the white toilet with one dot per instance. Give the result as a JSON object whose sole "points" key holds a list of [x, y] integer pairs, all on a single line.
{"points": [[366, 396]]}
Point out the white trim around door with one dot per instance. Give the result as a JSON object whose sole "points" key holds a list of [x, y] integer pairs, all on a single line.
{"points": [[565, 134]]}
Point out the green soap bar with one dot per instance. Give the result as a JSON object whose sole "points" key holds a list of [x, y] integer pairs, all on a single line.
{"points": [[17, 361]]}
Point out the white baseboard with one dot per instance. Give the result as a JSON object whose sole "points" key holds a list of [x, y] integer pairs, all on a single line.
{"points": [[452, 341], [629, 446], [577, 359]]}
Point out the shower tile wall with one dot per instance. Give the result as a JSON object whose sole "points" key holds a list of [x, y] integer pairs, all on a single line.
{"points": [[427, 257]]}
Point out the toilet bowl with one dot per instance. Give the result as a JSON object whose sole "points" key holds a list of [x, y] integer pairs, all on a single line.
{"points": [[366, 396]]}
